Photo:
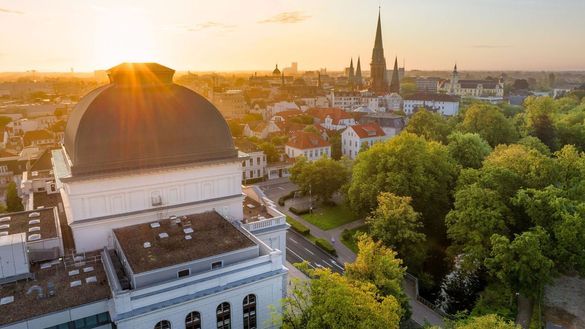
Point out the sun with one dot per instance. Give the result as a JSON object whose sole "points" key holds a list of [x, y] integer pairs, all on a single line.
{"points": [[123, 35]]}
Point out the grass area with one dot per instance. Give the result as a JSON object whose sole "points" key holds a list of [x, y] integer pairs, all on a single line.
{"points": [[327, 218], [348, 237]]}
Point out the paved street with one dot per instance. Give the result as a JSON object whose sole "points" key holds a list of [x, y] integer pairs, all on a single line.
{"points": [[298, 249]]}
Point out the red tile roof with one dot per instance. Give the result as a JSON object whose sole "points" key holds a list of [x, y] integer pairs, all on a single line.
{"points": [[306, 140], [335, 114], [368, 130]]}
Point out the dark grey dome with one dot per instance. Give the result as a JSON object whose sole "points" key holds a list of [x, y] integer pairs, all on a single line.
{"points": [[143, 120]]}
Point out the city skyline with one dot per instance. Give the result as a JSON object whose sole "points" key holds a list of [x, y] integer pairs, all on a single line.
{"points": [[425, 34]]}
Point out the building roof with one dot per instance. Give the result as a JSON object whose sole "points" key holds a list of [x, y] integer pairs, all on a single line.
{"points": [[335, 114], [306, 140], [245, 145], [432, 97], [212, 235], [34, 135], [368, 130], [27, 305], [140, 120], [38, 221], [254, 211], [472, 84]]}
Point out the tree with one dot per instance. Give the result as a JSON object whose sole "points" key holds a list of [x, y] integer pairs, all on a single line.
{"points": [[522, 262], [478, 214], [4, 121], [490, 123], [330, 300], [236, 128], [490, 321], [536, 144], [538, 119], [395, 223], [322, 178], [379, 265], [406, 165], [335, 140], [270, 151], [520, 84], [13, 201], [430, 125], [468, 149]]}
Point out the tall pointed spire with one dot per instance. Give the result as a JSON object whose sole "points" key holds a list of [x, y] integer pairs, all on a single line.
{"points": [[351, 76], [358, 74], [378, 65], [395, 82]]}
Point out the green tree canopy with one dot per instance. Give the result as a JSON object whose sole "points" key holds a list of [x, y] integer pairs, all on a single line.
{"points": [[535, 144], [13, 201], [399, 226], [490, 321], [468, 149], [269, 149], [322, 178], [430, 125], [406, 165], [490, 123]]}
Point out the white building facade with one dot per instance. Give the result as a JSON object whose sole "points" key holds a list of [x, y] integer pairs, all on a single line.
{"points": [[354, 138]]}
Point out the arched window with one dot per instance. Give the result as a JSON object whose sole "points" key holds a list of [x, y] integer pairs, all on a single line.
{"points": [[223, 316], [193, 321], [164, 324], [249, 306]]}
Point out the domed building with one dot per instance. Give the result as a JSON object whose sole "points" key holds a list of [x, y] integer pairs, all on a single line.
{"points": [[276, 71], [162, 234]]}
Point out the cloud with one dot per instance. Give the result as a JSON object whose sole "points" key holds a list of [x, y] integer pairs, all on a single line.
{"points": [[212, 25], [287, 17], [487, 46], [10, 11]]}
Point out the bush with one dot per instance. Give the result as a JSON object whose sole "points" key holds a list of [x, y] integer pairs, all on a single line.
{"points": [[299, 212], [283, 198], [325, 245], [302, 229]]}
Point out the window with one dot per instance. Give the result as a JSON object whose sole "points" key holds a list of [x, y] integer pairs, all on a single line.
{"points": [[243, 163], [258, 160], [164, 324], [259, 173], [193, 321], [251, 162], [215, 265], [249, 306], [89, 322], [223, 316], [183, 273]]}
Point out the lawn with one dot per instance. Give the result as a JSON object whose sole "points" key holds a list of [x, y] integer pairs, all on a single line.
{"points": [[327, 218], [347, 237]]}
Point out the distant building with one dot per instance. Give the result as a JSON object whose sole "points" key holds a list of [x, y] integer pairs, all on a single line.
{"points": [[490, 90], [427, 85], [441, 103], [261, 129], [230, 103], [253, 160], [379, 82], [307, 144], [391, 123], [355, 137], [332, 118]]}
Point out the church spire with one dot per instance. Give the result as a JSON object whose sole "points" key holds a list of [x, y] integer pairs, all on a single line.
{"points": [[395, 82], [351, 76], [358, 74], [378, 65]]}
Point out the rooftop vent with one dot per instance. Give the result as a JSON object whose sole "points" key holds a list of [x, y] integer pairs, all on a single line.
{"points": [[6, 300], [34, 221], [4, 226], [34, 237], [41, 207], [146, 245], [188, 237], [34, 214], [88, 269], [163, 235], [34, 229], [5, 219], [35, 173], [3, 233], [45, 266], [188, 230], [91, 279], [154, 225], [73, 284], [73, 272]]}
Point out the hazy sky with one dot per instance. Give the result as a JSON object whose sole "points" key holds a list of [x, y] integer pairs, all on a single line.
{"points": [[55, 35]]}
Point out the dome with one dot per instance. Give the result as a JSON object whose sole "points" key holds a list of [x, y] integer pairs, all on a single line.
{"points": [[276, 70], [141, 119]]}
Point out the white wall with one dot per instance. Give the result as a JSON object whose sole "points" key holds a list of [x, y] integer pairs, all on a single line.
{"points": [[311, 154]]}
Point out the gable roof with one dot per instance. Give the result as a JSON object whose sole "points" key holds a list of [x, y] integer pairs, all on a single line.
{"points": [[335, 114], [368, 130], [306, 140]]}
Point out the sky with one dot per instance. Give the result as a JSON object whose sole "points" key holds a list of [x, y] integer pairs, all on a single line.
{"points": [[230, 35]]}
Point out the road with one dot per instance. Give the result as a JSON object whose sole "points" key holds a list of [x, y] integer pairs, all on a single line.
{"points": [[298, 249]]}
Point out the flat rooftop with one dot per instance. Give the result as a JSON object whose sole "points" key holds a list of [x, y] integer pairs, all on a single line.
{"points": [[43, 199], [75, 282], [210, 234], [254, 211], [38, 221]]}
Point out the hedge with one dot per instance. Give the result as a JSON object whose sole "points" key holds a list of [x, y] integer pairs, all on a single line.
{"points": [[299, 212], [285, 197], [325, 245], [297, 226]]}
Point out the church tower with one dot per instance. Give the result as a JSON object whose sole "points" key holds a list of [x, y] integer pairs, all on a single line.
{"points": [[351, 76], [378, 65], [359, 81], [395, 82], [454, 81]]}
